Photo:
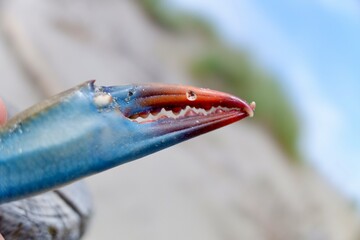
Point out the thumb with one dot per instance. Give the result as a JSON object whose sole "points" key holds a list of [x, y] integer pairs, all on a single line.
{"points": [[3, 114]]}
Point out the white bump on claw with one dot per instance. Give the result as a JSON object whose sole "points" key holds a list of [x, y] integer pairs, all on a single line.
{"points": [[191, 95], [102, 99]]}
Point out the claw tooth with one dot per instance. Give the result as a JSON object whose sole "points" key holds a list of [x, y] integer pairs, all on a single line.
{"points": [[190, 113]]}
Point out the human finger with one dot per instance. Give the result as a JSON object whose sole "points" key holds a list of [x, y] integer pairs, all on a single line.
{"points": [[3, 115]]}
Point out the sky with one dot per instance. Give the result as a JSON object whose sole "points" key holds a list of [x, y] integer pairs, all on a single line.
{"points": [[314, 48]]}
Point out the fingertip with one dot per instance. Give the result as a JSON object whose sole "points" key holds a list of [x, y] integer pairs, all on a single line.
{"points": [[3, 114]]}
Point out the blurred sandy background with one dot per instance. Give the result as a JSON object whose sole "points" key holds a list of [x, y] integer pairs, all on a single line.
{"points": [[246, 181]]}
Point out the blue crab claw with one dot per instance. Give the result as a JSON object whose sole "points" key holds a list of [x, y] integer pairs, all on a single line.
{"points": [[88, 129]]}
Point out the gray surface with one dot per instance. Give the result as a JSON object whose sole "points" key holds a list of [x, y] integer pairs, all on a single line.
{"points": [[60, 214], [234, 183]]}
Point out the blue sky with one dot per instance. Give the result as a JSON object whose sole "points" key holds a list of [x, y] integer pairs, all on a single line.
{"points": [[314, 48]]}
